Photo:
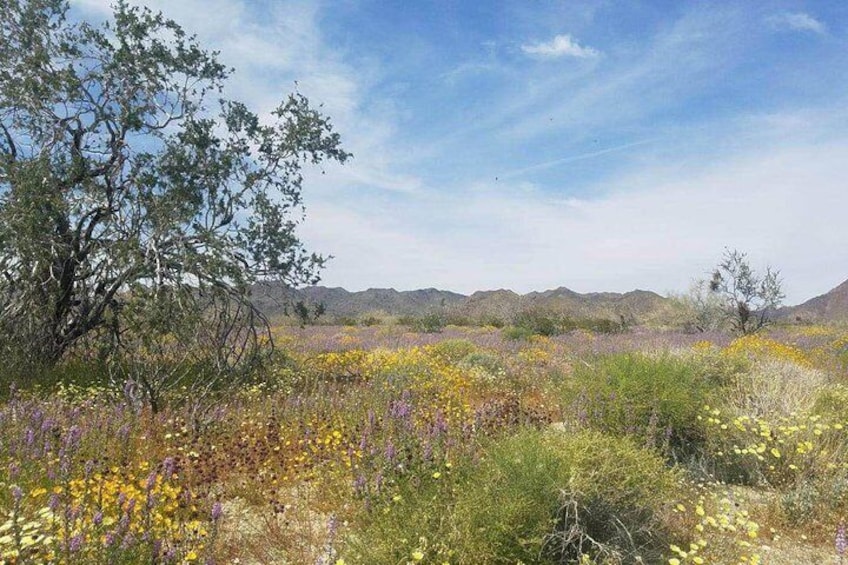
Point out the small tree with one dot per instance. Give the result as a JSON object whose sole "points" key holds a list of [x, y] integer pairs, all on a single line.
{"points": [[748, 298], [123, 174], [699, 309]]}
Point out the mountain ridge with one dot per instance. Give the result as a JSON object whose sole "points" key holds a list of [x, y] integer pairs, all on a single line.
{"points": [[502, 303], [635, 305], [832, 306]]}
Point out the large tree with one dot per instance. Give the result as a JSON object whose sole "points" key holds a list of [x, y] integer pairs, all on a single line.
{"points": [[123, 174]]}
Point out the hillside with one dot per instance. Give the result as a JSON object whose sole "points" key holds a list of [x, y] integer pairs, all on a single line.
{"points": [[340, 302], [635, 305], [829, 307]]}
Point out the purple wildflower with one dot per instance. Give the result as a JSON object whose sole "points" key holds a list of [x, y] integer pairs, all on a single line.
{"points": [[75, 543], [217, 511]]}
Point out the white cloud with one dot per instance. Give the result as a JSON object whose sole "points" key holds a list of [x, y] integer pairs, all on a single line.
{"points": [[272, 46], [798, 21], [783, 206], [560, 46]]}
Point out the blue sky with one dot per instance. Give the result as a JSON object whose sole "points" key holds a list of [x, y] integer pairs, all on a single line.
{"points": [[530, 145]]}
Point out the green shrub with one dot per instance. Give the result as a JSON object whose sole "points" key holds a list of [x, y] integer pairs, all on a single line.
{"points": [[546, 323], [453, 350], [369, 321], [548, 497], [413, 515], [538, 322], [537, 497], [428, 323], [486, 361], [656, 399], [349, 321], [516, 333]]}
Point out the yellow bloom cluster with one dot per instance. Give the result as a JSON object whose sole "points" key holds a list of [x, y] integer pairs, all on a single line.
{"points": [[93, 510], [758, 346], [781, 450], [723, 532]]}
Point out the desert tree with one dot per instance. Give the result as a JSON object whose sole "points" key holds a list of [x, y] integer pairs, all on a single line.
{"points": [[700, 309], [127, 180], [748, 299]]}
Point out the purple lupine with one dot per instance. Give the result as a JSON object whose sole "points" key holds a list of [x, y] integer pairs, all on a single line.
{"points": [[151, 481], [332, 526], [17, 493], [169, 467], [428, 451], [359, 485], [75, 543], [841, 541], [217, 511]]}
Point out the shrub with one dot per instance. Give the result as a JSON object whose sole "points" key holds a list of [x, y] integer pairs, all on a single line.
{"points": [[776, 388], [653, 398], [538, 322], [490, 363], [428, 323], [548, 497], [453, 350], [515, 333]]}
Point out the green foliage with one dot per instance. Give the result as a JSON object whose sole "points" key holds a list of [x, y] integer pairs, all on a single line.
{"points": [[431, 323], [121, 171], [656, 399], [832, 403], [516, 333], [536, 497], [454, 350], [489, 362], [538, 322], [416, 517], [548, 323], [306, 314], [548, 497]]}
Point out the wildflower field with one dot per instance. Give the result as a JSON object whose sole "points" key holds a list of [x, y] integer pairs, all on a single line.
{"points": [[381, 446]]}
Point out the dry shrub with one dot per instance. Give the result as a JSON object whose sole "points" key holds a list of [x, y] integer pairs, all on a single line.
{"points": [[776, 388]]}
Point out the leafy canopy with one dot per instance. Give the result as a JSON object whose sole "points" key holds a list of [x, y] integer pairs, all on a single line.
{"points": [[123, 173]]}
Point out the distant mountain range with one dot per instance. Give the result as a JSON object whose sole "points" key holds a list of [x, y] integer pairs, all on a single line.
{"points": [[338, 302], [635, 306]]}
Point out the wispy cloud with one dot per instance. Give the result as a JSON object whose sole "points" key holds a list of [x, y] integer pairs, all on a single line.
{"points": [[560, 46], [572, 159], [798, 21]]}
